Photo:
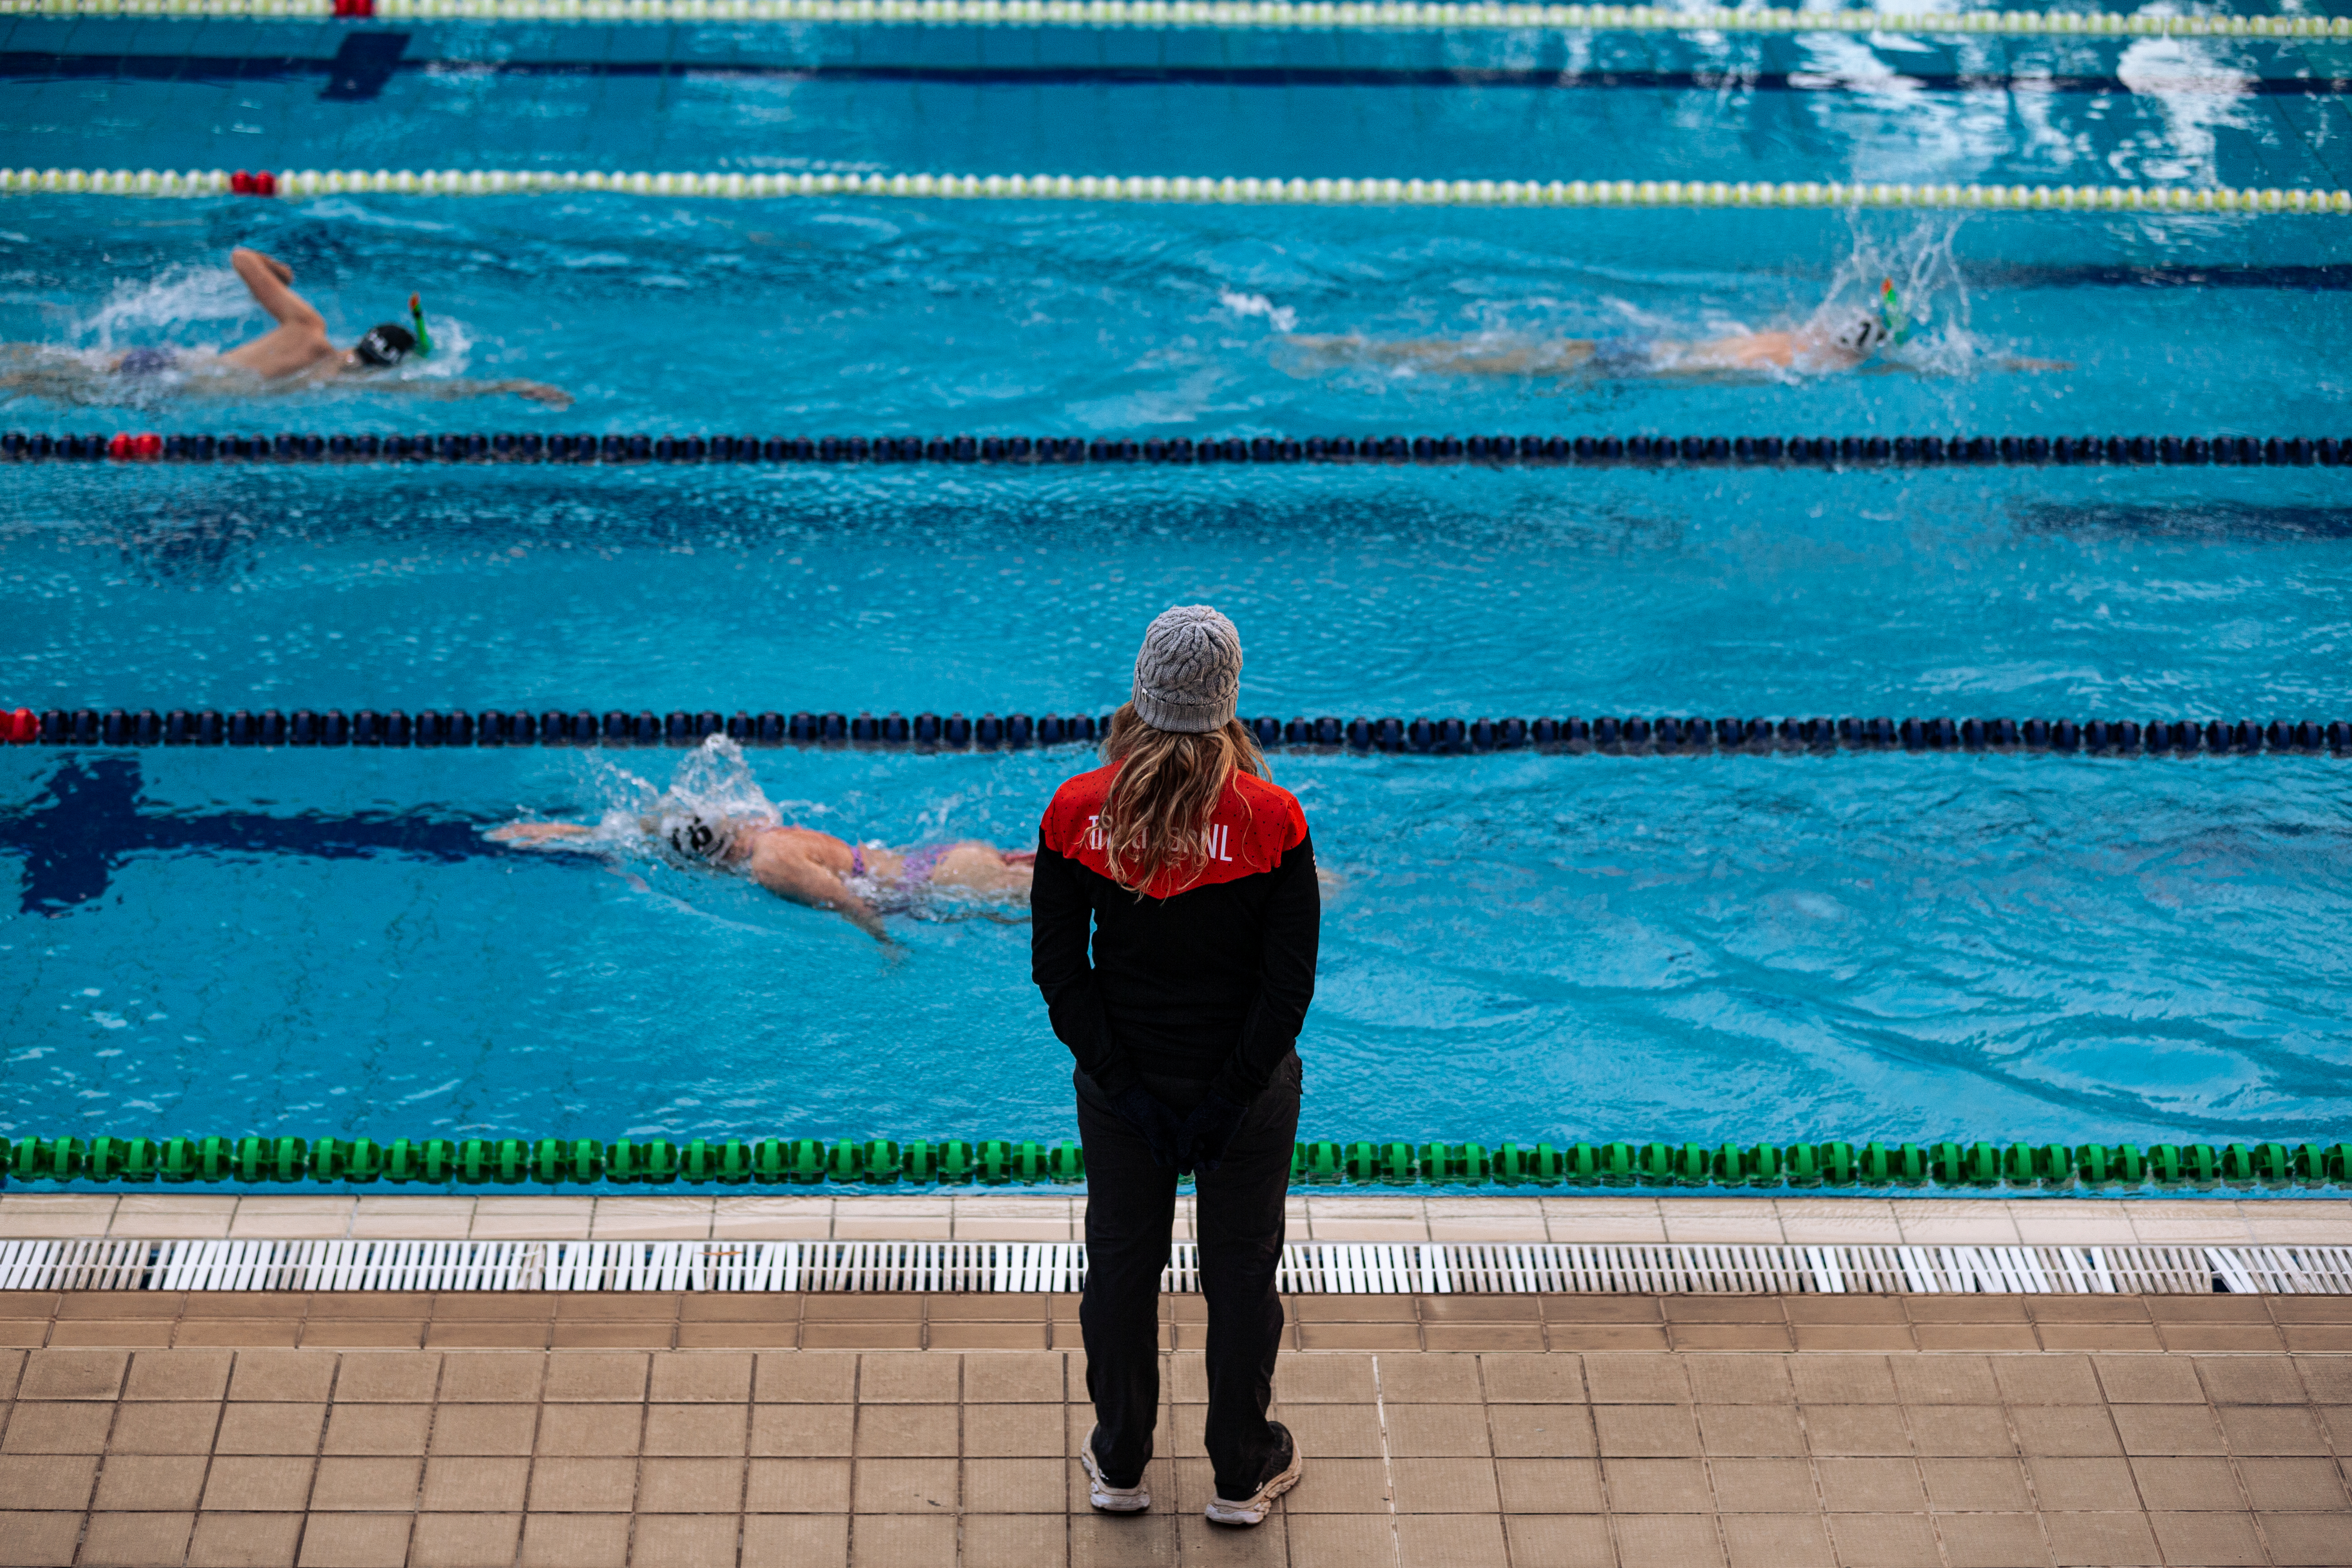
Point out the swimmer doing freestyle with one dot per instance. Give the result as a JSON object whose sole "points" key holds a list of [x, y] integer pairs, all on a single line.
{"points": [[1814, 349], [297, 351], [862, 882]]}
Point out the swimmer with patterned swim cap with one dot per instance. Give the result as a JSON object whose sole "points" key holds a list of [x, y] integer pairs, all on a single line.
{"points": [[298, 350], [1829, 344], [861, 882]]}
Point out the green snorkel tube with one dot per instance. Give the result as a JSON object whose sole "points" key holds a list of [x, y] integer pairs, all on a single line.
{"points": [[424, 341], [1890, 314]]}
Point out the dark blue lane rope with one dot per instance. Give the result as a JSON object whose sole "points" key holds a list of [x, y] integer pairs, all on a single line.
{"points": [[1536, 451], [368, 727]]}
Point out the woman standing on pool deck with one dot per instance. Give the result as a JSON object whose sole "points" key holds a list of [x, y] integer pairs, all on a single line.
{"points": [[1198, 880]]}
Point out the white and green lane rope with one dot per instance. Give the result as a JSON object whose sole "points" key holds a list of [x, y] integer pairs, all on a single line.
{"points": [[2095, 200], [1272, 15]]}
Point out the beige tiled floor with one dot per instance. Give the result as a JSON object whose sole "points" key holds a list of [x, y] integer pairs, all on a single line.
{"points": [[1738, 1452], [393, 1319], [1314, 1215]]}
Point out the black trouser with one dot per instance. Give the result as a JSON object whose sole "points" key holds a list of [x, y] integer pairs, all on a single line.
{"points": [[1130, 1213]]}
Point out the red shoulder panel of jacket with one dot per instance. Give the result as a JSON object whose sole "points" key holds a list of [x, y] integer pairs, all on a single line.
{"points": [[1254, 825]]}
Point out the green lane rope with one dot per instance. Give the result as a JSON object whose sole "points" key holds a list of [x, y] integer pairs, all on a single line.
{"points": [[880, 1161], [1215, 189], [1227, 15]]}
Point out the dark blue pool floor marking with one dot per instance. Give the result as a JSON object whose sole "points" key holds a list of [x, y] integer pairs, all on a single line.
{"points": [[367, 61], [78, 831], [362, 65]]}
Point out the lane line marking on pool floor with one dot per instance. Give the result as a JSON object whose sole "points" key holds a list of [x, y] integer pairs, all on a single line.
{"points": [[2097, 201], [1224, 14], [1305, 1268]]}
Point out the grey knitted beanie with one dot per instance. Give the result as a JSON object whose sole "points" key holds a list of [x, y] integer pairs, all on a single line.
{"points": [[1188, 677]]}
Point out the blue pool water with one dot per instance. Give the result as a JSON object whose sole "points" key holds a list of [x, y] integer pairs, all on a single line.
{"points": [[1515, 946]]}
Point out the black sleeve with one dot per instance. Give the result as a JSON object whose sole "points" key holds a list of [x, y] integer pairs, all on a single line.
{"points": [[1294, 922], [1061, 921]]}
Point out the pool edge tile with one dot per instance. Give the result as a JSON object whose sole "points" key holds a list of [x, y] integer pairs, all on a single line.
{"points": [[43, 1216], [548, 1219], [171, 1217], [401, 1218], [663, 1218]]}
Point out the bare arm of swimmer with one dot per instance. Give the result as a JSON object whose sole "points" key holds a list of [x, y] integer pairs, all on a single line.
{"points": [[536, 391], [784, 867], [299, 341], [776, 863], [46, 372], [1555, 356]]}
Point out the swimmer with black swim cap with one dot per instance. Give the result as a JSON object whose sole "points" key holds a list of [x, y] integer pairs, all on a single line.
{"points": [[298, 350], [298, 345], [384, 345], [1814, 349]]}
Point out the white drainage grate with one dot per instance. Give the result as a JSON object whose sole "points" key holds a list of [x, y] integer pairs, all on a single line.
{"points": [[1308, 1268]]}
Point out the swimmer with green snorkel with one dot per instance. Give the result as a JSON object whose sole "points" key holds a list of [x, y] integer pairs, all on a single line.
{"points": [[297, 351], [1818, 348]]}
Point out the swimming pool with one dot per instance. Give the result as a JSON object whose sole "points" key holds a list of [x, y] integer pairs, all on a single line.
{"points": [[1520, 945]]}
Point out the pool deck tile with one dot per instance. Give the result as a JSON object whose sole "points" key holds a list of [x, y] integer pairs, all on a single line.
{"points": [[1475, 1219], [772, 1218], [1439, 1431], [1015, 1216], [320, 1218], [1603, 1219], [1838, 1222], [2161, 1221], [163, 1217], [652, 1219], [891, 1217], [2059, 1221], [1331, 1216], [417, 1219], [1955, 1222], [548, 1219], [2323, 1223], [30, 1215], [1705, 1220]]}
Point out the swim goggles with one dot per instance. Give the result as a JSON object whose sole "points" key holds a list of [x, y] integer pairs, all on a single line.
{"points": [[691, 837], [374, 348]]}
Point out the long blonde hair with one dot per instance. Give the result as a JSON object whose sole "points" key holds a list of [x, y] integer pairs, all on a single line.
{"points": [[1158, 812]]}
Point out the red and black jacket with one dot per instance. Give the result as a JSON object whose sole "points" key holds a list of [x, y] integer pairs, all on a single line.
{"points": [[1204, 976]]}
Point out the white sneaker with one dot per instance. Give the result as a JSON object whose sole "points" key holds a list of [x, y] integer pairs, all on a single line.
{"points": [[1104, 1496], [1253, 1510]]}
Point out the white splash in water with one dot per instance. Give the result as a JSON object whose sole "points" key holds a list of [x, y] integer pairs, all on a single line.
{"points": [[1932, 293], [151, 310], [712, 783], [1281, 317]]}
